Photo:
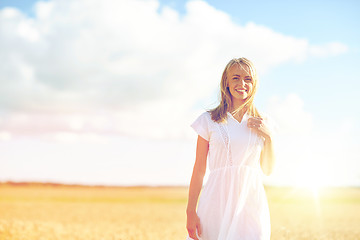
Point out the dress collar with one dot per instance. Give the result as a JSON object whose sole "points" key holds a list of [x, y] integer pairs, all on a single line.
{"points": [[244, 118]]}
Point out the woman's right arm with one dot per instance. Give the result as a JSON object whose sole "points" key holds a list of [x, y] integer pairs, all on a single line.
{"points": [[193, 221]]}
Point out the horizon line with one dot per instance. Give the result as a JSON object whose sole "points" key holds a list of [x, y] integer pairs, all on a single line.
{"points": [[58, 184]]}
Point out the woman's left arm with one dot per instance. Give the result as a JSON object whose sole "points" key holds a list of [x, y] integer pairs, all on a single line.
{"points": [[267, 156]]}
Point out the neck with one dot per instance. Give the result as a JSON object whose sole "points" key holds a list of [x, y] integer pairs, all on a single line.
{"points": [[240, 113], [236, 104]]}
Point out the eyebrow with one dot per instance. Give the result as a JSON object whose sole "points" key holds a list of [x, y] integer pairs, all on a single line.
{"points": [[237, 75]]}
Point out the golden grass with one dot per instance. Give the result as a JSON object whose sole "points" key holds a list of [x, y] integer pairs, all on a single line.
{"points": [[110, 213]]}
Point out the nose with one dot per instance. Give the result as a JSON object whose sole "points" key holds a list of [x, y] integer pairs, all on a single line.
{"points": [[241, 82]]}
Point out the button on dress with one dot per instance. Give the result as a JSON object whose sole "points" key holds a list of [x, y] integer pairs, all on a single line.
{"points": [[233, 203]]}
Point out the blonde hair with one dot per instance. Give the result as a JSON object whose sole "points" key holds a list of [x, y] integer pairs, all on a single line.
{"points": [[219, 114]]}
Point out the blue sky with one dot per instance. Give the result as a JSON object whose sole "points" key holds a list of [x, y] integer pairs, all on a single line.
{"points": [[318, 21], [85, 78]]}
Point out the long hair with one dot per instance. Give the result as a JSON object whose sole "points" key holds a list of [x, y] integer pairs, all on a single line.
{"points": [[219, 114]]}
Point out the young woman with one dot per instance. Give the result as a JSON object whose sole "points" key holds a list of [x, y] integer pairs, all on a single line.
{"points": [[236, 143]]}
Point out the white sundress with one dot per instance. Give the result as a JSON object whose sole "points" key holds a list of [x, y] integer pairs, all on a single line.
{"points": [[233, 203]]}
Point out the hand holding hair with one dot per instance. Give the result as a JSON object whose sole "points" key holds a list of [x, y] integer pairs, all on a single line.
{"points": [[260, 126]]}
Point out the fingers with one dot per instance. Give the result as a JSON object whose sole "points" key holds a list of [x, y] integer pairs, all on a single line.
{"points": [[198, 228], [193, 227], [255, 122], [192, 234]]}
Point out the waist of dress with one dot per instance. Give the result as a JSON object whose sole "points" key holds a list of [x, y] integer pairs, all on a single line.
{"points": [[257, 169]]}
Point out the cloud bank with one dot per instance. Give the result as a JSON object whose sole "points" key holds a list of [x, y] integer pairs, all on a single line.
{"points": [[125, 67], [307, 156]]}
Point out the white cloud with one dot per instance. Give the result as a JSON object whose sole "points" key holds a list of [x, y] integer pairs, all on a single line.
{"points": [[306, 156], [144, 66], [290, 116], [5, 136], [328, 49]]}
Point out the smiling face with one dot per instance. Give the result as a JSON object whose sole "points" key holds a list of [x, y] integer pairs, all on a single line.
{"points": [[240, 83]]}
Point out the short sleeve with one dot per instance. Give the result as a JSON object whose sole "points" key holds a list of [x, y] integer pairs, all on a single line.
{"points": [[201, 126]]}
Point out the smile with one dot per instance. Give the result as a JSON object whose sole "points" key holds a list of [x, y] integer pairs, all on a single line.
{"points": [[241, 90]]}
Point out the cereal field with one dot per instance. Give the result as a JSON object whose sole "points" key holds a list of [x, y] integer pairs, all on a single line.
{"points": [[36, 211]]}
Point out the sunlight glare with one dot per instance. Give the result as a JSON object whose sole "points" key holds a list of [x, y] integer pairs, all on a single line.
{"points": [[313, 176]]}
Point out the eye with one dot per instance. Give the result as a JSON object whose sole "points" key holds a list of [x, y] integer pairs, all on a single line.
{"points": [[248, 79]]}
